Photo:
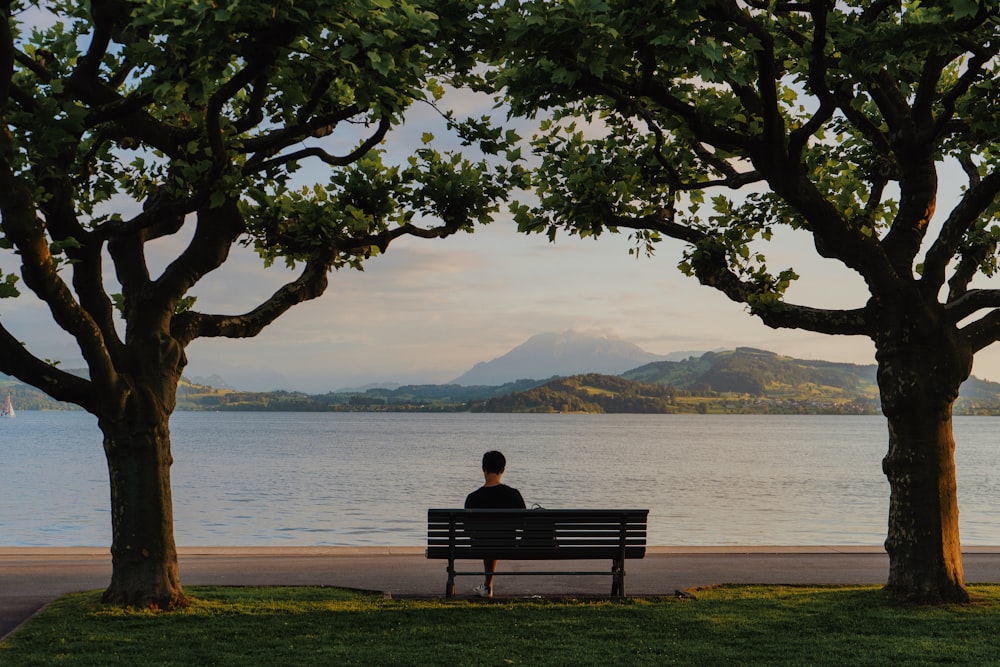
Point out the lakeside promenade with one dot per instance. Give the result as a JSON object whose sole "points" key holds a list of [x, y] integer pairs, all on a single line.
{"points": [[31, 577]]}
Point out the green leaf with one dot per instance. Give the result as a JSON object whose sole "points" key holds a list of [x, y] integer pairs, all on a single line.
{"points": [[965, 8], [8, 286]]}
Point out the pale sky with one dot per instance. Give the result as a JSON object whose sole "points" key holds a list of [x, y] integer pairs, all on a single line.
{"points": [[428, 310]]}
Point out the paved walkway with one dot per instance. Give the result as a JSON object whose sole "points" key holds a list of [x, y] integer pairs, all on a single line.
{"points": [[31, 577]]}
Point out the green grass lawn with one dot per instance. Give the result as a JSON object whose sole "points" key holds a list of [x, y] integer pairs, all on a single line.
{"points": [[728, 625]]}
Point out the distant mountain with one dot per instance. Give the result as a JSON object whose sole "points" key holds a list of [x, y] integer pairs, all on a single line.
{"points": [[560, 354]]}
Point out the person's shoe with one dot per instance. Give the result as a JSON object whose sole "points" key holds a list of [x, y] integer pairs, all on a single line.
{"points": [[482, 591]]}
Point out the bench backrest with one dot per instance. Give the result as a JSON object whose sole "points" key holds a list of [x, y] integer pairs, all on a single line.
{"points": [[536, 534]]}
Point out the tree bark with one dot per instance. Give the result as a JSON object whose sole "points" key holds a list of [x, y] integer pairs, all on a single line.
{"points": [[144, 556], [919, 382], [925, 556]]}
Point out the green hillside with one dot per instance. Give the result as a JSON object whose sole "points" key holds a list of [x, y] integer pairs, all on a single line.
{"points": [[610, 394], [750, 371], [586, 393], [24, 397], [741, 381]]}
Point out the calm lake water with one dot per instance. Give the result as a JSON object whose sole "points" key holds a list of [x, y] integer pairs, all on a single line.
{"points": [[368, 479]]}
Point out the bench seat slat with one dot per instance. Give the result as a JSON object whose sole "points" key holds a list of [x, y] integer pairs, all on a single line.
{"points": [[539, 554]]}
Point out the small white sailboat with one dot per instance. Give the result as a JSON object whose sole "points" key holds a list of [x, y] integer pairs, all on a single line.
{"points": [[8, 409]]}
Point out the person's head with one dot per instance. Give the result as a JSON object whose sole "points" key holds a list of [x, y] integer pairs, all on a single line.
{"points": [[494, 462]]}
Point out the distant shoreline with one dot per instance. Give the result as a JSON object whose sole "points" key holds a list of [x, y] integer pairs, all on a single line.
{"points": [[977, 411]]}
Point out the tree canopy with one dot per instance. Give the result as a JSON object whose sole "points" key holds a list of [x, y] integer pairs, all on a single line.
{"points": [[718, 122], [133, 127]]}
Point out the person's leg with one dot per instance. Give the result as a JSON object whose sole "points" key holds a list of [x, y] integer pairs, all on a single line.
{"points": [[485, 589], [490, 566]]}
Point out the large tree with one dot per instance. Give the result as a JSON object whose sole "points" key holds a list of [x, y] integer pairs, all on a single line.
{"points": [[254, 122], [715, 122]]}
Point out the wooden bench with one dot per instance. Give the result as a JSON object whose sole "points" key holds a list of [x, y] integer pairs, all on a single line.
{"points": [[537, 534]]}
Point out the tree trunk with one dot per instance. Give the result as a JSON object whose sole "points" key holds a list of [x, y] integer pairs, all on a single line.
{"points": [[144, 556], [919, 384]]}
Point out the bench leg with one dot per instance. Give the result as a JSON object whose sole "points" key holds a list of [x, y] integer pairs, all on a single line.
{"points": [[618, 579], [449, 589]]}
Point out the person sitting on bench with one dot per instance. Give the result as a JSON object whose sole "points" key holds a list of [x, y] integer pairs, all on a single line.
{"points": [[493, 495]]}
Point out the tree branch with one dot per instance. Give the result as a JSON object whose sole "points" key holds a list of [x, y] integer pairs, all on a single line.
{"points": [[106, 105], [917, 199], [876, 9], [161, 216], [215, 232], [310, 284], [84, 254], [798, 138], [703, 131], [337, 161], [7, 58], [973, 69], [930, 76], [712, 269], [253, 70], [15, 360], [830, 322], [869, 129], [971, 259], [105, 13], [38, 270], [984, 331], [263, 147], [971, 302], [36, 67], [254, 113], [976, 199]]}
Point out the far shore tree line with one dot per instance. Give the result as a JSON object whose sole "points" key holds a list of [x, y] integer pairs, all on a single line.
{"points": [[718, 125], [455, 398], [545, 399]]}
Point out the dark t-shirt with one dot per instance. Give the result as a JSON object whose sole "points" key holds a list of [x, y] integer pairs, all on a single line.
{"points": [[500, 496]]}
